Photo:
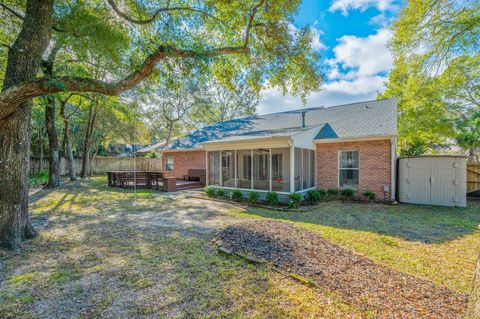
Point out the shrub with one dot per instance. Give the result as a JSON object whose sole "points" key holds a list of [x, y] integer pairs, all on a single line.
{"points": [[236, 195], [210, 191], [332, 192], [313, 196], [253, 197], [272, 199], [151, 155], [322, 193], [371, 196], [348, 193], [294, 200], [220, 192], [39, 179]]}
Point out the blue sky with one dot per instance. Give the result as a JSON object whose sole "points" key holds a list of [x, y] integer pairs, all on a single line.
{"points": [[352, 37]]}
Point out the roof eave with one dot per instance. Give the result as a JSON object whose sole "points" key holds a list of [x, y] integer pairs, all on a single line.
{"points": [[353, 139]]}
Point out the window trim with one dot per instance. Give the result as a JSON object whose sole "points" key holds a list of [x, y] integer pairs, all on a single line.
{"points": [[166, 163], [338, 168]]}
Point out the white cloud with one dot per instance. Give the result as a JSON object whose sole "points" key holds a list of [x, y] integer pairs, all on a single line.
{"points": [[345, 5], [382, 20], [358, 56], [355, 73], [316, 43], [332, 93]]}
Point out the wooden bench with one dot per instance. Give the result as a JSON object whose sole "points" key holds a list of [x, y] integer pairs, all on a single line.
{"points": [[194, 174]]}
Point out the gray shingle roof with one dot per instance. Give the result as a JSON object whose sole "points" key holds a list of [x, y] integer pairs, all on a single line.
{"points": [[370, 118]]}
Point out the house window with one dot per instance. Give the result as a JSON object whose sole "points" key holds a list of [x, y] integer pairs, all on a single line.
{"points": [[169, 163], [348, 169]]}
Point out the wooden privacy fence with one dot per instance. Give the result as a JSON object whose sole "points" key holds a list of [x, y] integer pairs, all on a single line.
{"points": [[100, 165], [473, 176]]}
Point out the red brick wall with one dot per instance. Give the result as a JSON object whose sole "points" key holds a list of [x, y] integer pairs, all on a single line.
{"points": [[375, 164], [182, 162]]}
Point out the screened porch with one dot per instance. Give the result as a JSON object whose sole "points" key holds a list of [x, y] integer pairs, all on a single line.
{"points": [[284, 170]]}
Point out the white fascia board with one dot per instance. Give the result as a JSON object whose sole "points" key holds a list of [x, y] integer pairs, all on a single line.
{"points": [[355, 139]]}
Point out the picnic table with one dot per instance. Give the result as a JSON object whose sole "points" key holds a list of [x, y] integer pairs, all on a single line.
{"points": [[124, 179]]}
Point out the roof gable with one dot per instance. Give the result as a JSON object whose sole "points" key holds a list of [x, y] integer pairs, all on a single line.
{"points": [[326, 132]]}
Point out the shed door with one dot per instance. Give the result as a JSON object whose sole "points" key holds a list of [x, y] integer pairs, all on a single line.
{"points": [[419, 190], [443, 181]]}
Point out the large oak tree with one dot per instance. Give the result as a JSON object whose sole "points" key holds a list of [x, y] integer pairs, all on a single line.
{"points": [[211, 39]]}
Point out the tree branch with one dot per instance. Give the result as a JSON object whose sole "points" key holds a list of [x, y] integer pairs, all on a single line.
{"points": [[11, 11], [11, 98], [158, 11], [250, 22]]}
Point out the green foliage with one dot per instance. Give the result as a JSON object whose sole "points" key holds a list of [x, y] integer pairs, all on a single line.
{"points": [[468, 135], [294, 199], [210, 191], [322, 192], [236, 195], [414, 147], [220, 192], [348, 193], [371, 196], [314, 196], [272, 198], [39, 179], [332, 192], [151, 155], [253, 197], [436, 72]]}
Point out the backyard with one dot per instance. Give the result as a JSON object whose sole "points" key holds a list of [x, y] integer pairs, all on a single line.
{"points": [[101, 253]]}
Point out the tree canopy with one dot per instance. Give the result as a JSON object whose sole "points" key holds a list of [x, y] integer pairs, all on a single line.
{"points": [[436, 72]]}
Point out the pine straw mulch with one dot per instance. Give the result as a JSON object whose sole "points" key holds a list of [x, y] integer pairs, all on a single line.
{"points": [[358, 280]]}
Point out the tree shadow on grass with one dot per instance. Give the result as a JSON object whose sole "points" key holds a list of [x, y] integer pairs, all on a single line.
{"points": [[427, 224], [96, 266]]}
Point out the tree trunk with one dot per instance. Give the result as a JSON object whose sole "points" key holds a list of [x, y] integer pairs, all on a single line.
{"points": [[67, 143], [54, 157], [474, 303], [22, 65], [40, 140], [92, 114]]}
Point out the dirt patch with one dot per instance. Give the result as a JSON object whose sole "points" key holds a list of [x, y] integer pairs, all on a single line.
{"points": [[358, 280]]}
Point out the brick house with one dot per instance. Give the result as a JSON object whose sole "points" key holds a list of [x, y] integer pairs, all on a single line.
{"points": [[352, 145]]}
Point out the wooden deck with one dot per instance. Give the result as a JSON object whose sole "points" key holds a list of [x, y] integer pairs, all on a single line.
{"points": [[146, 179]]}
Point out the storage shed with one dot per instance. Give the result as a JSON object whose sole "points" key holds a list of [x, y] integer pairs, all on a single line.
{"points": [[433, 180]]}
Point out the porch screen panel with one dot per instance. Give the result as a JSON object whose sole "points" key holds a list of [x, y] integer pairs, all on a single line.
{"points": [[298, 169], [312, 169], [281, 169], [261, 169], [244, 169], [306, 169], [214, 168], [228, 169]]}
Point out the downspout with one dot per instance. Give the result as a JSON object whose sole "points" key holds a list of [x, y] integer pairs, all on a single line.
{"points": [[393, 147]]}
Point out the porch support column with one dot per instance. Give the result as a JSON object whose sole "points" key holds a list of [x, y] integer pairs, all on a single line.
{"points": [[206, 168], [292, 168], [270, 168], [221, 169], [236, 167], [251, 170]]}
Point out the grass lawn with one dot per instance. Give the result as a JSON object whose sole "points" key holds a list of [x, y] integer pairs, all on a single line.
{"points": [[100, 256], [437, 243]]}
